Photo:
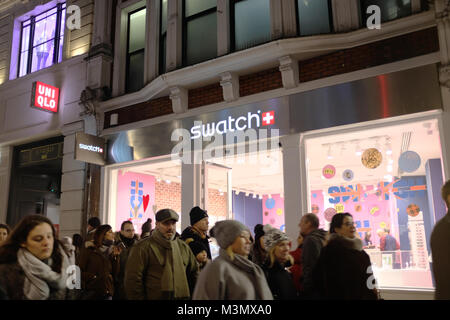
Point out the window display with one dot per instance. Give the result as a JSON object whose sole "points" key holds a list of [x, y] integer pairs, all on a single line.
{"points": [[383, 177]]}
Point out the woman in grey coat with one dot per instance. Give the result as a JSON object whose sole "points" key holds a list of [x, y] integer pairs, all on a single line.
{"points": [[232, 276]]}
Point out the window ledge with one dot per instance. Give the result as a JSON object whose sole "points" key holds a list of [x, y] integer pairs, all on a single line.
{"points": [[266, 56]]}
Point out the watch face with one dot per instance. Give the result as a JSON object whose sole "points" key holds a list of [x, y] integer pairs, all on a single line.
{"points": [[413, 210], [371, 158]]}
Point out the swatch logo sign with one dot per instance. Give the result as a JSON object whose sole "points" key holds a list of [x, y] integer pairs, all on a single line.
{"points": [[250, 121], [91, 148]]}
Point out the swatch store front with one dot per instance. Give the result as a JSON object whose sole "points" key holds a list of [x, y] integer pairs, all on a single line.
{"points": [[370, 147]]}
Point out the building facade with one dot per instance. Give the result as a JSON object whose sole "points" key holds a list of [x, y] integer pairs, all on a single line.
{"points": [[280, 107]]}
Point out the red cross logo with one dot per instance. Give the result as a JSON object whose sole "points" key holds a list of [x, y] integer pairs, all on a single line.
{"points": [[268, 118]]}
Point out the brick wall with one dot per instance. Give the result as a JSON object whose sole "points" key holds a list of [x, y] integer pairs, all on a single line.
{"points": [[206, 95], [340, 62], [370, 55], [217, 204], [168, 196]]}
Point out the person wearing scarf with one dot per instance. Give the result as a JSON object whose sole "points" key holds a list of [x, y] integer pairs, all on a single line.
{"points": [[344, 271], [232, 276], [33, 263], [99, 264], [161, 267]]}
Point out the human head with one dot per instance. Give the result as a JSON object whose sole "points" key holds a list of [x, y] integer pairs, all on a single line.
{"points": [[127, 229], [308, 223], [199, 219], [232, 236], [368, 235], [36, 234], [77, 240], [199, 251], [103, 232], [277, 244], [93, 223], [166, 220], [4, 232], [446, 193], [146, 227], [380, 232], [259, 236], [342, 224]]}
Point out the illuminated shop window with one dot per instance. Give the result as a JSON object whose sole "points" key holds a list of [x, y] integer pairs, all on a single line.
{"points": [[314, 17], [137, 192], [386, 179], [135, 50], [41, 40], [390, 9], [200, 31], [249, 32]]}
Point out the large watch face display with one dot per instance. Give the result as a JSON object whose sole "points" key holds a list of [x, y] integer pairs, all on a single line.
{"points": [[371, 158]]}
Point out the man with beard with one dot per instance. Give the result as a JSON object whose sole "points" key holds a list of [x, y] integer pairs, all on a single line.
{"points": [[161, 267]]}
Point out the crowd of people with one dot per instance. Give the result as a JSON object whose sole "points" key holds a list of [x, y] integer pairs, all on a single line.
{"points": [[162, 264]]}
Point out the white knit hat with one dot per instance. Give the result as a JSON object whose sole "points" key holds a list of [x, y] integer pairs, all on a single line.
{"points": [[273, 236]]}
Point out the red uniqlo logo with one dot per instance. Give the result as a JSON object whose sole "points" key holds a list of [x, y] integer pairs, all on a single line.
{"points": [[268, 118], [46, 97]]}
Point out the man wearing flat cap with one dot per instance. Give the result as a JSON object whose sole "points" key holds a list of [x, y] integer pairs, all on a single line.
{"points": [[161, 267], [198, 230]]}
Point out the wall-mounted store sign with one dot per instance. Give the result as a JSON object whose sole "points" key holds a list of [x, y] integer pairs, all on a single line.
{"points": [[45, 97], [89, 148]]}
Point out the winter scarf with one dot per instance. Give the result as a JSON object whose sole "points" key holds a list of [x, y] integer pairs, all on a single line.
{"points": [[174, 275], [127, 241], [40, 279], [244, 264], [349, 243]]}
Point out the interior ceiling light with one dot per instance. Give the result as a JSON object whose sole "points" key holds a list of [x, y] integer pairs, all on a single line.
{"points": [[329, 156]]}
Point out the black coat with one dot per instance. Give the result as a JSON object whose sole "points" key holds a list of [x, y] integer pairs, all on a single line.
{"points": [[280, 282], [190, 234], [342, 272]]}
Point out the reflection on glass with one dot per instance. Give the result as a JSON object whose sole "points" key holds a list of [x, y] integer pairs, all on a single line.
{"points": [[251, 32], [390, 9], [313, 17], [202, 39], [136, 71], [137, 31], [197, 6]]}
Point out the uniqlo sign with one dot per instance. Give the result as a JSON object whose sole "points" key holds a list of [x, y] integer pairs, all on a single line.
{"points": [[45, 97]]}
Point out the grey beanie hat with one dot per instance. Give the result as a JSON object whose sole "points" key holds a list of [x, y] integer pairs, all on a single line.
{"points": [[226, 232], [273, 236]]}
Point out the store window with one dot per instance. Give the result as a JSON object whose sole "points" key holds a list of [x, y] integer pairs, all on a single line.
{"points": [[390, 9], [200, 31], [136, 50], [313, 17], [163, 37], [41, 40], [246, 32], [387, 179], [138, 191], [256, 184]]}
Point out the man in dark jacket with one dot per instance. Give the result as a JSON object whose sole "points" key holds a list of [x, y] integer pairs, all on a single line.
{"points": [[161, 267], [198, 230], [314, 240], [440, 239], [93, 224]]}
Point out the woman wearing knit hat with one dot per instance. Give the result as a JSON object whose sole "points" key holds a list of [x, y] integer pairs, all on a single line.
{"points": [[232, 276], [258, 253], [280, 281]]}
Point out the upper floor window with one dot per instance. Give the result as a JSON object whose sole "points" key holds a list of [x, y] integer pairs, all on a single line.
{"points": [[163, 37], [135, 50], [313, 17], [41, 40], [200, 31], [250, 23], [390, 9]]}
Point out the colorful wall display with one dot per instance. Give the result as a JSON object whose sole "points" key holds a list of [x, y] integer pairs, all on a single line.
{"points": [[371, 158], [329, 171], [273, 209], [409, 161], [135, 199]]}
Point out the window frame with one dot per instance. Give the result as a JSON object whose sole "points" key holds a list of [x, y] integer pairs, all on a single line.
{"points": [[233, 28], [185, 21], [162, 50], [56, 41], [129, 55], [330, 20]]}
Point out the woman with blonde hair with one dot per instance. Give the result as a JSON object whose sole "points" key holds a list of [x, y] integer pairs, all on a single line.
{"points": [[232, 276], [280, 280]]}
